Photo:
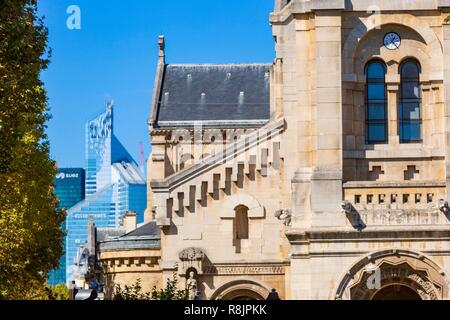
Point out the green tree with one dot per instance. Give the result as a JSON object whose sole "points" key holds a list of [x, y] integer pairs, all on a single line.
{"points": [[31, 240]]}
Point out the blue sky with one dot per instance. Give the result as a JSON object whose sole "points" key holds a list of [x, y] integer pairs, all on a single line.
{"points": [[114, 56]]}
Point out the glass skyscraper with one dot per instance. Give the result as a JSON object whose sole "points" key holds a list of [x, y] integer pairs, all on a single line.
{"points": [[114, 185], [69, 188]]}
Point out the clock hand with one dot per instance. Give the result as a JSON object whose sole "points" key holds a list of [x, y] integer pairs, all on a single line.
{"points": [[394, 43]]}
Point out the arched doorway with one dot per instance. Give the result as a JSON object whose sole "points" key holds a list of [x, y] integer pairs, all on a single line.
{"points": [[241, 290], [396, 292], [393, 274]]}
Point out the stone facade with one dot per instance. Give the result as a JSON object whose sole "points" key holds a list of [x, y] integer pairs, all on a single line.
{"points": [[328, 213]]}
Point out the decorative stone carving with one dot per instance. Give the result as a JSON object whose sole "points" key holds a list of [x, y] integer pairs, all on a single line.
{"points": [[443, 206], [284, 215], [244, 270], [353, 215], [396, 267], [191, 254], [191, 258], [346, 207], [427, 216]]}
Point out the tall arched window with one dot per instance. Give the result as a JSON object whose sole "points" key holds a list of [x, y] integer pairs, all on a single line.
{"points": [[410, 114], [376, 106]]}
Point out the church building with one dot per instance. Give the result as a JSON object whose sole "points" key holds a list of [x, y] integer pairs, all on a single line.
{"points": [[324, 174]]}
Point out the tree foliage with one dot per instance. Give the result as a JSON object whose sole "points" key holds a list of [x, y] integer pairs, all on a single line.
{"points": [[171, 291], [58, 292], [134, 292], [31, 240]]}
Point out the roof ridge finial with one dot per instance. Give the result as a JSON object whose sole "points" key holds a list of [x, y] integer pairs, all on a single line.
{"points": [[162, 48]]}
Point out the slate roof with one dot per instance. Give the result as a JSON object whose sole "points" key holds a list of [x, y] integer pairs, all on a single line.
{"points": [[109, 233], [145, 237], [218, 95], [148, 229]]}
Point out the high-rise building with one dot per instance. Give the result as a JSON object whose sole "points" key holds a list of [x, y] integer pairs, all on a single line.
{"points": [[69, 188], [114, 185]]}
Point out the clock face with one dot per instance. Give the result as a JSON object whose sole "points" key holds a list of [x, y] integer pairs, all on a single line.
{"points": [[392, 41]]}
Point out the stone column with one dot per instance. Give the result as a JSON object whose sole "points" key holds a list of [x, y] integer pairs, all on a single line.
{"points": [[393, 86], [276, 89], [446, 47], [301, 270], [301, 182], [427, 115], [155, 171], [326, 184]]}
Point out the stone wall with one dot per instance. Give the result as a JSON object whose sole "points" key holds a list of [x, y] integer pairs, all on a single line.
{"points": [[125, 267]]}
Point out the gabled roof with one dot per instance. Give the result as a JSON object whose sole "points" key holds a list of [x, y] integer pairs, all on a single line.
{"points": [[227, 95]]}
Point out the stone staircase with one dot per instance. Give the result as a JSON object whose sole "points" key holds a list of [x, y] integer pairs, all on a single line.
{"points": [[256, 152]]}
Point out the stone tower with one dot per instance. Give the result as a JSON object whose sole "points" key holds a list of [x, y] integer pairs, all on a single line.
{"points": [[368, 154]]}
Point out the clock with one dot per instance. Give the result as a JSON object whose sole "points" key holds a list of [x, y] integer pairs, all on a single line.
{"points": [[392, 41]]}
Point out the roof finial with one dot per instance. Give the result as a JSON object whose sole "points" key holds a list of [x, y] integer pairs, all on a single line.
{"points": [[162, 47]]}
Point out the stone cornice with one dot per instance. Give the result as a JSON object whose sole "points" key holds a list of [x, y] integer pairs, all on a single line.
{"points": [[303, 6], [417, 151], [259, 262], [379, 233], [244, 270], [169, 126], [242, 125], [393, 184]]}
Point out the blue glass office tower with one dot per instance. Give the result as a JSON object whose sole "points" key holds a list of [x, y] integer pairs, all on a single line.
{"points": [[114, 185], [69, 188]]}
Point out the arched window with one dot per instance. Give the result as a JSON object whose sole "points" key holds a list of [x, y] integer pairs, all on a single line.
{"points": [[376, 106], [410, 115], [241, 223]]}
